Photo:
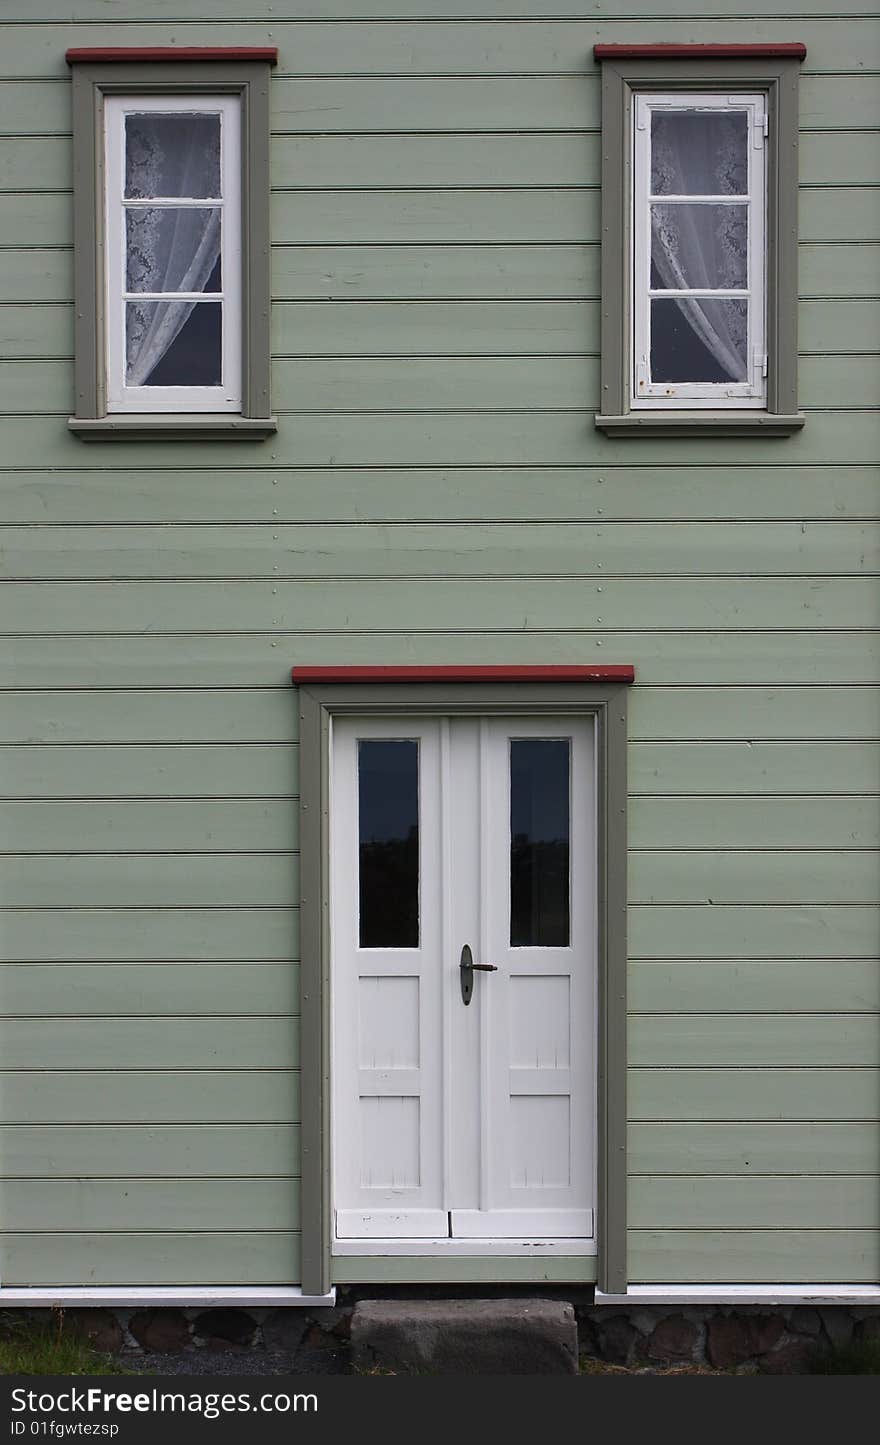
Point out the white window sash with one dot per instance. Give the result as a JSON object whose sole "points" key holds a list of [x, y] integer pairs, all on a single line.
{"points": [[227, 396], [644, 392]]}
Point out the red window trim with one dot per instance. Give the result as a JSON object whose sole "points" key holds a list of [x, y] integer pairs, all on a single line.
{"points": [[120, 54], [784, 50], [454, 673]]}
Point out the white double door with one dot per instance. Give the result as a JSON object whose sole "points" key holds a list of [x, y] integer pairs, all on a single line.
{"points": [[455, 1120]]}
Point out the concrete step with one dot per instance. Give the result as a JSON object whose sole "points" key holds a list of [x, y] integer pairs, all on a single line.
{"points": [[465, 1337]]}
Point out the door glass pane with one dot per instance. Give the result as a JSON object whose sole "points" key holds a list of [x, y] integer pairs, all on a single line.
{"points": [[698, 339], [699, 153], [172, 155], [539, 842], [388, 833], [699, 246]]}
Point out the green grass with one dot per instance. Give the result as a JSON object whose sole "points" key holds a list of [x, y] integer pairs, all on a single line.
{"points": [[862, 1357], [50, 1349]]}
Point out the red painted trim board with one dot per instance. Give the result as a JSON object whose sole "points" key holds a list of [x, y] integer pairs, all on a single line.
{"points": [[453, 673], [120, 54], [787, 49]]}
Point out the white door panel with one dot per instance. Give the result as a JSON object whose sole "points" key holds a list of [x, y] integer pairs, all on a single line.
{"points": [[454, 1122], [385, 998]]}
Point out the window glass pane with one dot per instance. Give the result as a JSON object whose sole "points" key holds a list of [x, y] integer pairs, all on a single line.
{"points": [[173, 249], [699, 340], [173, 343], [699, 153], [388, 833], [699, 247], [172, 155], [539, 842]]}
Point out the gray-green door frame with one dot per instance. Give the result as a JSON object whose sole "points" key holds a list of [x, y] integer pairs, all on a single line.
{"points": [[317, 704]]}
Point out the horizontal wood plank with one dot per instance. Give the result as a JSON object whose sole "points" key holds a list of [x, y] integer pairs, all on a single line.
{"points": [[114, 1206], [296, 495], [331, 384], [168, 771], [513, 438], [443, 215], [734, 1096], [161, 1043], [808, 1202], [416, 159], [151, 1098], [753, 767], [206, 825], [754, 823], [430, 604], [150, 880], [756, 876], [49, 935], [417, 272], [177, 825], [244, 660], [429, 47], [769, 931], [753, 1148], [448, 549], [154, 989], [150, 1259], [269, 715], [478, 103], [220, 12], [154, 1150], [838, 1040], [745, 985], [773, 1256]]}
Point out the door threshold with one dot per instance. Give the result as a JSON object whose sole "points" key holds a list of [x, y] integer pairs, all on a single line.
{"points": [[464, 1248]]}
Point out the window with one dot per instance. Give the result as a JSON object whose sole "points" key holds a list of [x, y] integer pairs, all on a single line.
{"points": [[699, 245], [171, 243], [699, 206]]}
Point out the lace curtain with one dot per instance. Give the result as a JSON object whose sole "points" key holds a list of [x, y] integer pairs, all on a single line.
{"points": [[168, 248], [703, 246]]}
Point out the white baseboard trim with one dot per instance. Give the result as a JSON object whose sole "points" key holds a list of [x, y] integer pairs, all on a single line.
{"points": [[213, 1296], [743, 1294]]}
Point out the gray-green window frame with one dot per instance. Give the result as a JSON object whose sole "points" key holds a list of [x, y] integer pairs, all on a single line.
{"points": [[92, 82], [317, 705], [622, 79]]}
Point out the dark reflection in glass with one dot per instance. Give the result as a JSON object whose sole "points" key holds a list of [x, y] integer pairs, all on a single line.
{"points": [[195, 355], [388, 831], [698, 339], [539, 842]]}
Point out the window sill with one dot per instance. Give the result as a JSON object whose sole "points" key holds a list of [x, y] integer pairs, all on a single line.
{"points": [[153, 427], [701, 423]]}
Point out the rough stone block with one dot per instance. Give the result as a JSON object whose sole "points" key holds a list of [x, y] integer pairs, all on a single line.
{"points": [[283, 1329], [616, 1339], [165, 1331], [838, 1325], [465, 1337], [733, 1338], [792, 1359], [729, 1341], [99, 1328], [231, 1326], [674, 1339], [767, 1331]]}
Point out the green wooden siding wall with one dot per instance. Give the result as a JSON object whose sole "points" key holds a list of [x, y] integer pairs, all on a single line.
{"points": [[435, 334]]}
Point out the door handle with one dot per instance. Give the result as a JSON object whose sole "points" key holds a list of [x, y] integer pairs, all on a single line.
{"points": [[467, 968]]}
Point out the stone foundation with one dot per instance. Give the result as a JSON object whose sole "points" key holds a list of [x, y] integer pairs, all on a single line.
{"points": [[748, 1339]]}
